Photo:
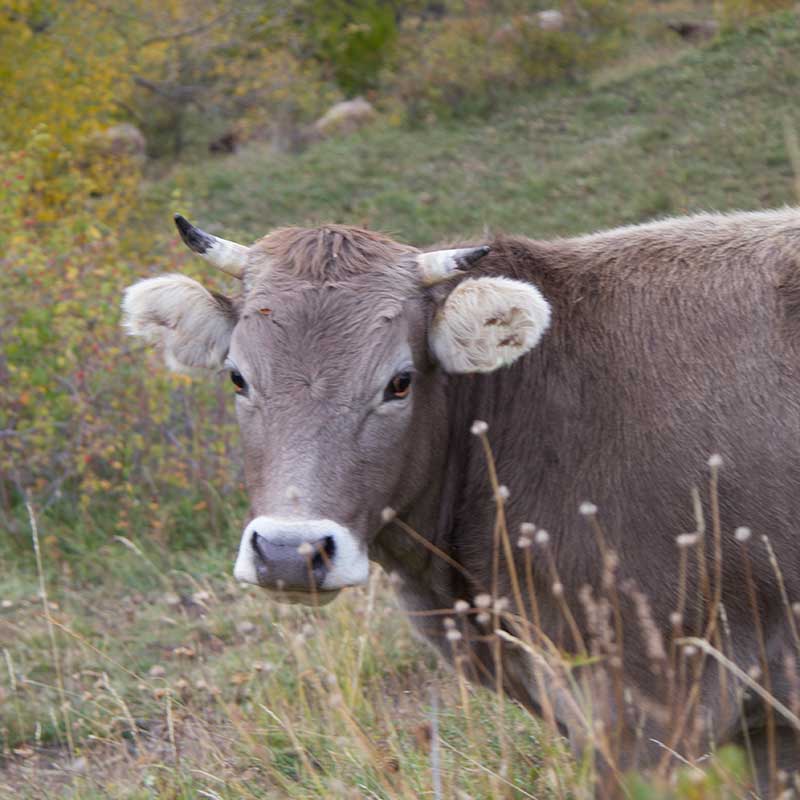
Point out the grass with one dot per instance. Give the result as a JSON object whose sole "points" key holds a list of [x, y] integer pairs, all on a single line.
{"points": [[181, 684], [201, 686], [704, 131]]}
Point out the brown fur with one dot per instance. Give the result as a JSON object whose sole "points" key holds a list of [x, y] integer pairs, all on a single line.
{"points": [[330, 253], [669, 342]]}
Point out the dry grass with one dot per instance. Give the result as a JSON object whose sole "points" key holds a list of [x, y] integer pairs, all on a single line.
{"points": [[203, 686], [204, 689]]}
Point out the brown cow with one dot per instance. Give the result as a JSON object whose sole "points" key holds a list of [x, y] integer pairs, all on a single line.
{"points": [[360, 367]]}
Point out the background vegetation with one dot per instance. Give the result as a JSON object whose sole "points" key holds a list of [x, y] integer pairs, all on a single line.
{"points": [[145, 671]]}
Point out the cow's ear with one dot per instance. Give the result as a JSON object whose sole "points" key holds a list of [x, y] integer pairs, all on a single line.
{"points": [[487, 323], [192, 325]]}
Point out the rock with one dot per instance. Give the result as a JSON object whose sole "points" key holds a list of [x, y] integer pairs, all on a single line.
{"points": [[120, 140], [345, 117], [550, 20], [695, 31], [227, 143], [516, 29]]}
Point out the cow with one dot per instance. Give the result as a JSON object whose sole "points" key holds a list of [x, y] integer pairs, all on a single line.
{"points": [[628, 400]]}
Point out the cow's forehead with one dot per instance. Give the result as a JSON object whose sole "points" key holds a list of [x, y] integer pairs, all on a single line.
{"points": [[327, 255], [355, 323]]}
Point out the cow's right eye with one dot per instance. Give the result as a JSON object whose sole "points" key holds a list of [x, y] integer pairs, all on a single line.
{"points": [[238, 381]]}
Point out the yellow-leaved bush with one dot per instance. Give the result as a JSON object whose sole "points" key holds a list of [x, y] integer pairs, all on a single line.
{"points": [[91, 429]]}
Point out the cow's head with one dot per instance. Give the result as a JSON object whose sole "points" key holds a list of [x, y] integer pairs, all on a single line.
{"points": [[337, 349]]}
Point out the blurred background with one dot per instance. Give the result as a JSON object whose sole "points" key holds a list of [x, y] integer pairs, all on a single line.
{"points": [[428, 119]]}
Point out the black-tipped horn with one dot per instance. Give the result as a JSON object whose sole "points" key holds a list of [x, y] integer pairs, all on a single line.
{"points": [[193, 238], [443, 264], [473, 256], [227, 256]]}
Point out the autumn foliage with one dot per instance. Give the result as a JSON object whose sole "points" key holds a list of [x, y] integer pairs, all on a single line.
{"points": [[84, 430]]}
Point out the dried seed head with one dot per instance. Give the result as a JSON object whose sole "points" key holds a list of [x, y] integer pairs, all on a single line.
{"points": [[453, 635], [503, 493], [449, 622], [482, 600], [479, 427], [245, 627], [587, 509], [754, 672], [484, 618], [742, 534], [500, 605], [676, 619], [542, 537], [690, 650], [305, 549], [558, 589], [388, 514], [715, 461], [292, 494], [527, 529], [524, 542], [686, 540], [461, 606]]}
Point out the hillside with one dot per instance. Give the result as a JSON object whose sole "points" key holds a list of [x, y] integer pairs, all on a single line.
{"points": [[704, 131], [171, 680]]}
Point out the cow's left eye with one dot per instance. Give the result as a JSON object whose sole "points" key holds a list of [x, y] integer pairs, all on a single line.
{"points": [[238, 381], [398, 387]]}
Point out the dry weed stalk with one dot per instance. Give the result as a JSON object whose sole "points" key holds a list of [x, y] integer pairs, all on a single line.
{"points": [[63, 702]]}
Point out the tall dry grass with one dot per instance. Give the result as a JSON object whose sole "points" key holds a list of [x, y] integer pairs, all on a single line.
{"points": [[207, 689]]}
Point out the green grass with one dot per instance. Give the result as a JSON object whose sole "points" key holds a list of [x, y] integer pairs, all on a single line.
{"points": [[705, 131], [233, 696]]}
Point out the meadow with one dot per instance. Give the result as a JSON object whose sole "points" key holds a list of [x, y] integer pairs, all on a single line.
{"points": [[133, 665]]}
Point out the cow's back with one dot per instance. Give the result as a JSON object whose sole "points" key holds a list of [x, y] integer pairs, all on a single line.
{"points": [[670, 342]]}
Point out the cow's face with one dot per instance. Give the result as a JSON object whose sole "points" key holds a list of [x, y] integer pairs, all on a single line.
{"points": [[337, 353]]}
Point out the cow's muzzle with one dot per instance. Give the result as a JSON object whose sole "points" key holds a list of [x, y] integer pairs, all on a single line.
{"points": [[308, 560], [286, 565]]}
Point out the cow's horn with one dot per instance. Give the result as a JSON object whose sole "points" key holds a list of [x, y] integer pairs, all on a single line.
{"points": [[442, 264], [227, 256]]}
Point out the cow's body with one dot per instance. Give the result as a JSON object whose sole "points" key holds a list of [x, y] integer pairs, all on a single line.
{"points": [[669, 342]]}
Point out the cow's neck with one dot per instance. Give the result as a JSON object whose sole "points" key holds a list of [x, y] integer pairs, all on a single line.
{"points": [[456, 513]]}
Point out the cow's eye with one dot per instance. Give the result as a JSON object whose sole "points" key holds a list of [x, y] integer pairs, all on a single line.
{"points": [[238, 381], [398, 387]]}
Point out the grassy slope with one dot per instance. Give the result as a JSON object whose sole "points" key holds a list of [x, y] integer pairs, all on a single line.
{"points": [[705, 132], [252, 707]]}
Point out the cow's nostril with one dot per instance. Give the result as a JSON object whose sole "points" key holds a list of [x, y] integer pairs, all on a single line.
{"points": [[256, 542], [323, 555]]}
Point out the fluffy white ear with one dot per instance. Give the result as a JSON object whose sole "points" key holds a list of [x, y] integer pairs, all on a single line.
{"points": [[487, 323], [193, 325]]}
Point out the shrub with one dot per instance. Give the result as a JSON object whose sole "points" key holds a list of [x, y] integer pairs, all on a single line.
{"points": [[352, 37], [459, 65]]}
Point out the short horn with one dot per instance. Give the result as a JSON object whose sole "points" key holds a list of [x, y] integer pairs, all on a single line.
{"points": [[440, 265], [227, 256]]}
